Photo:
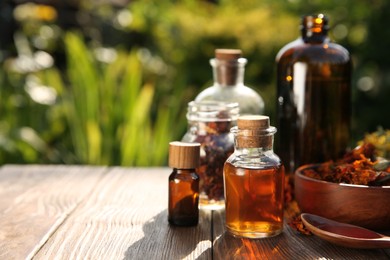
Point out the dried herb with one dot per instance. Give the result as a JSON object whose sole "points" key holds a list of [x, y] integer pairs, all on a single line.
{"points": [[297, 224], [216, 146], [359, 166]]}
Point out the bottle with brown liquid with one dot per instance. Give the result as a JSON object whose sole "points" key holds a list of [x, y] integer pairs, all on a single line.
{"points": [[254, 181], [313, 96], [228, 74], [183, 197]]}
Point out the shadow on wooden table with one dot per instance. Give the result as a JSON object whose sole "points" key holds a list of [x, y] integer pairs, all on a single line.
{"points": [[163, 241]]}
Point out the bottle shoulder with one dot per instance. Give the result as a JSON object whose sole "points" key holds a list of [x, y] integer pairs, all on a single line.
{"points": [[249, 100], [288, 48], [216, 91], [184, 175], [327, 52]]}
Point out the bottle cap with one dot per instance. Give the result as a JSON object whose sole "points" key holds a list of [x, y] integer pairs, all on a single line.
{"points": [[228, 54], [184, 155]]}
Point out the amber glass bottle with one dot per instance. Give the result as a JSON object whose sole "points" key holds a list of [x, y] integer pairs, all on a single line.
{"points": [[183, 184], [228, 74], [313, 96], [254, 181]]}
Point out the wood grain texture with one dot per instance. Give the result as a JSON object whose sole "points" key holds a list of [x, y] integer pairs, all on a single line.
{"points": [[35, 200], [77, 212], [288, 245], [126, 218]]}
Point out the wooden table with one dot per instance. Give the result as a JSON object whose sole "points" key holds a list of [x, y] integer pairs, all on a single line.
{"points": [[84, 212]]}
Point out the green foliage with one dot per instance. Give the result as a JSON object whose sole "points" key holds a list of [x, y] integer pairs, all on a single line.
{"points": [[108, 108], [27, 129], [124, 110]]}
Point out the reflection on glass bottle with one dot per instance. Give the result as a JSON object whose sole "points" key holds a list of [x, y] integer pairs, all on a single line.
{"points": [[228, 73], [313, 96], [254, 181]]}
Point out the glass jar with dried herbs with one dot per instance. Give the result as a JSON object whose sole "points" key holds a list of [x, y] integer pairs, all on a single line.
{"points": [[209, 124]]}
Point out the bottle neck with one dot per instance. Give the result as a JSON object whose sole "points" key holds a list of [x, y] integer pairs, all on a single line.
{"points": [[252, 152], [314, 29], [228, 72], [252, 145]]}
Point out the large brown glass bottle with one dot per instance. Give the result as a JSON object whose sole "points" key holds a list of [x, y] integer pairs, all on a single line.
{"points": [[313, 97]]}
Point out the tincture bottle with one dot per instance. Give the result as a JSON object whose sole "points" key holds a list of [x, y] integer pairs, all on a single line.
{"points": [[183, 184], [209, 124], [254, 181], [313, 96], [228, 74]]}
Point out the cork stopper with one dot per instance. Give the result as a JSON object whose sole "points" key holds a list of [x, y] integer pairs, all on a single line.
{"points": [[228, 67], [184, 155], [253, 122], [228, 54], [254, 131]]}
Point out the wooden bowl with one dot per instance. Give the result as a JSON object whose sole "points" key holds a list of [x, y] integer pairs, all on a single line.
{"points": [[360, 205]]}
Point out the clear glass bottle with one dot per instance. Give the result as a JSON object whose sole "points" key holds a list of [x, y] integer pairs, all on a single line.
{"points": [[183, 198], [254, 181], [228, 73], [209, 124], [313, 96]]}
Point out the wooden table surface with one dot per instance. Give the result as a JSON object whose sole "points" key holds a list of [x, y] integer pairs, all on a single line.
{"points": [[84, 212]]}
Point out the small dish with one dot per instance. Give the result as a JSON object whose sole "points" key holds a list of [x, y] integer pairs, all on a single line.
{"points": [[365, 206]]}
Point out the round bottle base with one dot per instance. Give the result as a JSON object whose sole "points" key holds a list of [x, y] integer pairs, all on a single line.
{"points": [[254, 230], [253, 235]]}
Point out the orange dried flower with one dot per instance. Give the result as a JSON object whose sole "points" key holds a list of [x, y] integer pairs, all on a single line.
{"points": [[356, 167]]}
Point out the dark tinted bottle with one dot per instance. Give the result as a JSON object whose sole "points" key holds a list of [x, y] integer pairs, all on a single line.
{"points": [[313, 97], [183, 198]]}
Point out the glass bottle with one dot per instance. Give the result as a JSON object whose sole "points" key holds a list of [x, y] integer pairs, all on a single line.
{"points": [[254, 181], [209, 124], [313, 96], [183, 192], [228, 74]]}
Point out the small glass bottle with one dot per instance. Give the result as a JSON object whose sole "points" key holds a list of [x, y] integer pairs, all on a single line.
{"points": [[228, 73], [254, 181], [313, 96], [209, 124], [183, 197]]}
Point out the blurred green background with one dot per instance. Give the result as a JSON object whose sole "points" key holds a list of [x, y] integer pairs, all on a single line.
{"points": [[108, 82]]}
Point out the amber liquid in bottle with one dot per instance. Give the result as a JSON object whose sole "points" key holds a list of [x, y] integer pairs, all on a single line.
{"points": [[183, 197], [254, 200], [314, 84]]}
